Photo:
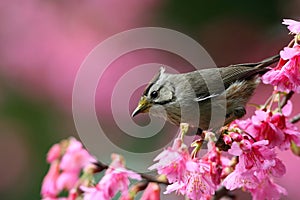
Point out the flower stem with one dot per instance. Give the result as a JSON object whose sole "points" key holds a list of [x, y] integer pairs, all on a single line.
{"points": [[295, 119]]}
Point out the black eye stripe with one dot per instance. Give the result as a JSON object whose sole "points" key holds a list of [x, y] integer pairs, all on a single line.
{"points": [[163, 102], [146, 92], [147, 89]]}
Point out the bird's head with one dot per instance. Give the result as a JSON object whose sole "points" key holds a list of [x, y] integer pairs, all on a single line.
{"points": [[159, 92]]}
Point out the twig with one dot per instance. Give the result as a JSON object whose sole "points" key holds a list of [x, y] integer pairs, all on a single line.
{"points": [[142, 185], [100, 167], [286, 99], [295, 119], [148, 178]]}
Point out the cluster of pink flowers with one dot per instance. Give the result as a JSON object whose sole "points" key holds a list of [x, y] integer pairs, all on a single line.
{"points": [[116, 179], [286, 75], [72, 169], [67, 160], [257, 166], [194, 177], [251, 163], [252, 140], [272, 126]]}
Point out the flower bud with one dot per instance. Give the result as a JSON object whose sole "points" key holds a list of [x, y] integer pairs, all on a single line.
{"points": [[236, 136], [152, 192], [53, 153], [227, 139]]}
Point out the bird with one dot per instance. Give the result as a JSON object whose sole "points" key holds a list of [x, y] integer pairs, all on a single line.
{"points": [[205, 99]]}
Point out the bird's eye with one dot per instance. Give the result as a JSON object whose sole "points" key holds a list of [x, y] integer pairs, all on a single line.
{"points": [[154, 94]]}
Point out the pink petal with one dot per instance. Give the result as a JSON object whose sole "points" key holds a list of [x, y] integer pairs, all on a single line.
{"points": [[67, 180], [74, 145], [192, 166], [293, 26], [261, 143], [177, 186], [49, 188], [235, 149], [289, 52], [152, 192], [287, 109], [53, 153]]}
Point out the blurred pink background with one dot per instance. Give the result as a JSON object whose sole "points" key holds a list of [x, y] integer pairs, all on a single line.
{"points": [[43, 43]]}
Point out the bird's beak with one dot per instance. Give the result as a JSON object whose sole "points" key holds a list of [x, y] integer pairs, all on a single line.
{"points": [[142, 107]]}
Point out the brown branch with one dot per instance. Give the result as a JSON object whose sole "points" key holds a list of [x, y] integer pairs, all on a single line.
{"points": [[286, 99], [140, 186], [295, 119], [148, 178], [292, 42], [221, 192], [100, 167]]}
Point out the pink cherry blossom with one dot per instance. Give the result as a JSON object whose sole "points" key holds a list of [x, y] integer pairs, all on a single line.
{"points": [[293, 26], [49, 188], [67, 180], [276, 167], [152, 192], [241, 178], [197, 182], [235, 149], [178, 187], [116, 178], [261, 127], [257, 156], [91, 193], [75, 157], [267, 189], [257, 164], [172, 161], [199, 185], [275, 128], [65, 169], [213, 159], [195, 178], [286, 75], [53, 153], [257, 182]]}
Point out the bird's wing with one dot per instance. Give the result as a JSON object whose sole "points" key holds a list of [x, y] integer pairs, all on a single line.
{"points": [[209, 83], [212, 82], [245, 71], [235, 73]]}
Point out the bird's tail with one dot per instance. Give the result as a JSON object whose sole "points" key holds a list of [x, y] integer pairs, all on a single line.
{"points": [[267, 62], [264, 63]]}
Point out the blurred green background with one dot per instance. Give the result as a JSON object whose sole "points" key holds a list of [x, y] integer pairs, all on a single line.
{"points": [[44, 42]]}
